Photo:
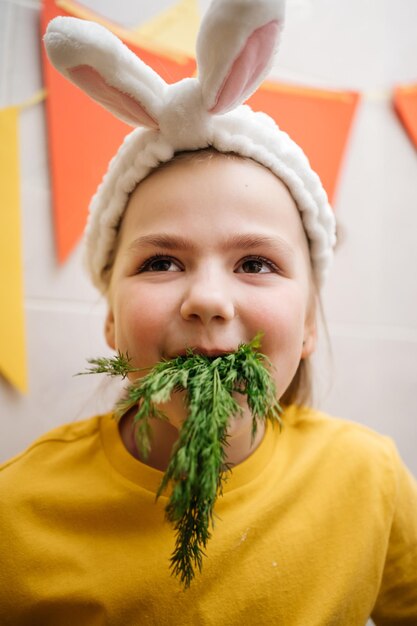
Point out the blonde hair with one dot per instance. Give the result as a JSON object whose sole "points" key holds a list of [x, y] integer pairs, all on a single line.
{"points": [[300, 390]]}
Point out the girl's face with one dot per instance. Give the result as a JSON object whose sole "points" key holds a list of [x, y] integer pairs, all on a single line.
{"points": [[210, 253]]}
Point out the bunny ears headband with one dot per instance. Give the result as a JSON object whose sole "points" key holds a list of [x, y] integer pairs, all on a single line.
{"points": [[235, 49]]}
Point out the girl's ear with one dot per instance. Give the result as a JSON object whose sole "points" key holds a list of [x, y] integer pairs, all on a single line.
{"points": [[109, 330], [235, 49], [95, 60], [309, 344], [310, 336]]}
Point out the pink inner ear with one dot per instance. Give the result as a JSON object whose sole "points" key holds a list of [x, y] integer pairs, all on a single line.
{"points": [[111, 98], [247, 67]]}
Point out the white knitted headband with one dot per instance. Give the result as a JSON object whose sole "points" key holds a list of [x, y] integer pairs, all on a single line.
{"points": [[235, 49]]}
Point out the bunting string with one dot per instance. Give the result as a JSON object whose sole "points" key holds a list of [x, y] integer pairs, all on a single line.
{"points": [[37, 98]]}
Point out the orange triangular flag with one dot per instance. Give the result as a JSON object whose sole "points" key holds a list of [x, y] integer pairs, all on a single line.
{"points": [[83, 137], [405, 103], [12, 322], [318, 120]]}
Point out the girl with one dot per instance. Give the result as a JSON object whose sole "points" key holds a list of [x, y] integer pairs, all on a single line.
{"points": [[209, 227]]}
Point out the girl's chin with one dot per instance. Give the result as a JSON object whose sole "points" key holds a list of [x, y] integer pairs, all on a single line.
{"points": [[176, 413], [176, 409]]}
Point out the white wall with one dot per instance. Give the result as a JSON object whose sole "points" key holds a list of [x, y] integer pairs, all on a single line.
{"points": [[371, 296]]}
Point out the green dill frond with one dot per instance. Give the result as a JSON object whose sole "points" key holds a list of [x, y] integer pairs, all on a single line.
{"points": [[197, 468], [118, 365]]}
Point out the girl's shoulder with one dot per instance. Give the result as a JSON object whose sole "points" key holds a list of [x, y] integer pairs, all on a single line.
{"points": [[309, 419], [52, 441], [344, 441]]}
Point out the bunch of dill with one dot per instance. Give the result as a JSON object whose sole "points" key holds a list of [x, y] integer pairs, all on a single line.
{"points": [[197, 467]]}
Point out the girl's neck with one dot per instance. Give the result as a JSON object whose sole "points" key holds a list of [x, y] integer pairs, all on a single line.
{"points": [[164, 435]]}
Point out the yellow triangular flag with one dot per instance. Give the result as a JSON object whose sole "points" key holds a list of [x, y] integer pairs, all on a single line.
{"points": [[12, 323], [174, 28]]}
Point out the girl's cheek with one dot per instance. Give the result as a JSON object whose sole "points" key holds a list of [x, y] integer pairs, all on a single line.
{"points": [[276, 314], [143, 321], [142, 318]]}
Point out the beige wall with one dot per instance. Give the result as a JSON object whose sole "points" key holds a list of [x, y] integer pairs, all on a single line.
{"points": [[371, 296]]}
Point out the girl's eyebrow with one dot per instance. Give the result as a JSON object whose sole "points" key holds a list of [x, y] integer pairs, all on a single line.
{"points": [[244, 241], [169, 242], [247, 241]]}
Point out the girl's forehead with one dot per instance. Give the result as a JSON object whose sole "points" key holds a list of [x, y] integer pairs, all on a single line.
{"points": [[217, 186]]}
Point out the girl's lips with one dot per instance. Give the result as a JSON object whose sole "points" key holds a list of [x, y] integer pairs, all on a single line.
{"points": [[210, 352]]}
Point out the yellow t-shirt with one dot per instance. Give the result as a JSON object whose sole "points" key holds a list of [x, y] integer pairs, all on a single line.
{"points": [[317, 528]]}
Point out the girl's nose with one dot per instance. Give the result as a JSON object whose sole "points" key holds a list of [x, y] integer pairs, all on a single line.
{"points": [[207, 301]]}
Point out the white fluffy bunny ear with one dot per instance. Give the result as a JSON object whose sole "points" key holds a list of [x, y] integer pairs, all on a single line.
{"points": [[95, 60], [235, 49]]}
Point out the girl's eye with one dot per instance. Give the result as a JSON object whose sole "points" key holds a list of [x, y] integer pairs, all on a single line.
{"points": [[160, 263], [256, 265]]}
